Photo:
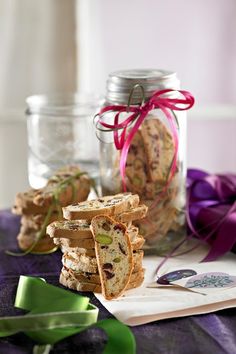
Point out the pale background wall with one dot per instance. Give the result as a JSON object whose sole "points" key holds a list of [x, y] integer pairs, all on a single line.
{"points": [[197, 39], [37, 55]]}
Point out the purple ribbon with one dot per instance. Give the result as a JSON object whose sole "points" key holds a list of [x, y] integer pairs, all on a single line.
{"points": [[212, 210]]}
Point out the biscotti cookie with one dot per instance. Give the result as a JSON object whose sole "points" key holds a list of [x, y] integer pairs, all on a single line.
{"points": [[114, 255], [159, 147], [138, 260], [24, 204], [36, 221], [82, 243], [71, 282], [74, 284], [95, 278], [77, 230], [72, 245], [37, 201], [136, 165], [45, 244], [78, 250], [80, 262], [131, 215], [132, 231], [158, 221], [78, 190], [73, 229], [109, 205], [161, 190], [136, 240], [64, 172]]}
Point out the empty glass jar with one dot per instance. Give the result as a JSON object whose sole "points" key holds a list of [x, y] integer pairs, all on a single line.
{"points": [[60, 133]]}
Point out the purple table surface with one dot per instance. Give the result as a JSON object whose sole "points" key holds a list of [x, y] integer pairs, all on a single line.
{"points": [[204, 334]]}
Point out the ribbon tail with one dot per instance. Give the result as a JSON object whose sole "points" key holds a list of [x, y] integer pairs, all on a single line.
{"points": [[120, 337], [225, 239]]}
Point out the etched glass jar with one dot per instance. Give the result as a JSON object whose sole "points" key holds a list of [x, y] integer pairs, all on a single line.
{"points": [[61, 133], [150, 169]]}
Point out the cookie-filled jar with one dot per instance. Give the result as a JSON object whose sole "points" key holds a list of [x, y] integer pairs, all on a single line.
{"points": [[142, 133]]}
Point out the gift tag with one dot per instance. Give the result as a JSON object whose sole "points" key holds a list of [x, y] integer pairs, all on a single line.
{"points": [[211, 280], [171, 278], [199, 277]]}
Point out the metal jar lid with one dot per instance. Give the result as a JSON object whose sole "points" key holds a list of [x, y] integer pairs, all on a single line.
{"points": [[120, 84]]}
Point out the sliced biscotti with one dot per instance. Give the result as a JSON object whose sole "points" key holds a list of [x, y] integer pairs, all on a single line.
{"points": [[68, 242], [69, 186], [85, 251], [136, 165], [159, 147], [109, 205], [95, 277], [73, 229], [137, 241], [45, 244], [71, 281], [36, 221], [74, 284], [138, 260], [37, 201], [131, 215], [80, 262], [24, 204], [114, 255], [78, 229]]}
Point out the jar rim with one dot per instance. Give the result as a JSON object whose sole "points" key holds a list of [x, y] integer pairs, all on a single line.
{"points": [[69, 103]]}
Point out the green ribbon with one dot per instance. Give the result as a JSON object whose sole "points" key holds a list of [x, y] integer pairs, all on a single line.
{"points": [[55, 313]]}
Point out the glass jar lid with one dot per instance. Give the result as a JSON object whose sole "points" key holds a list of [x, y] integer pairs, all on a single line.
{"points": [[120, 84]]}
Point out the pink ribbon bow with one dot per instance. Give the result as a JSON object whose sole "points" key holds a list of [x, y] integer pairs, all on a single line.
{"points": [[138, 114]]}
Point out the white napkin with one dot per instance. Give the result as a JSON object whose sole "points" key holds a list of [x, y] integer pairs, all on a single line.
{"points": [[143, 305]]}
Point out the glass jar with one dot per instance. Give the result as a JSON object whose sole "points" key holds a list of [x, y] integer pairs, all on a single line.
{"points": [[149, 162], [60, 133]]}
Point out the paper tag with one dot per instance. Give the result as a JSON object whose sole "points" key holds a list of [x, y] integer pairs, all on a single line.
{"points": [[211, 280]]}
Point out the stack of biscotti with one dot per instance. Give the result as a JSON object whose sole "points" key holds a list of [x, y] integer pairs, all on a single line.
{"points": [[40, 207], [102, 249]]}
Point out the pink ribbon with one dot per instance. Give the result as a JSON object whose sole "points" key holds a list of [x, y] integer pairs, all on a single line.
{"points": [[138, 114]]}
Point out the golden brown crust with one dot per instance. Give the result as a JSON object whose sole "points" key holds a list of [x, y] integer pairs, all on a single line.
{"points": [[131, 215], [108, 205], [81, 243], [72, 229], [44, 245], [81, 186]]}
